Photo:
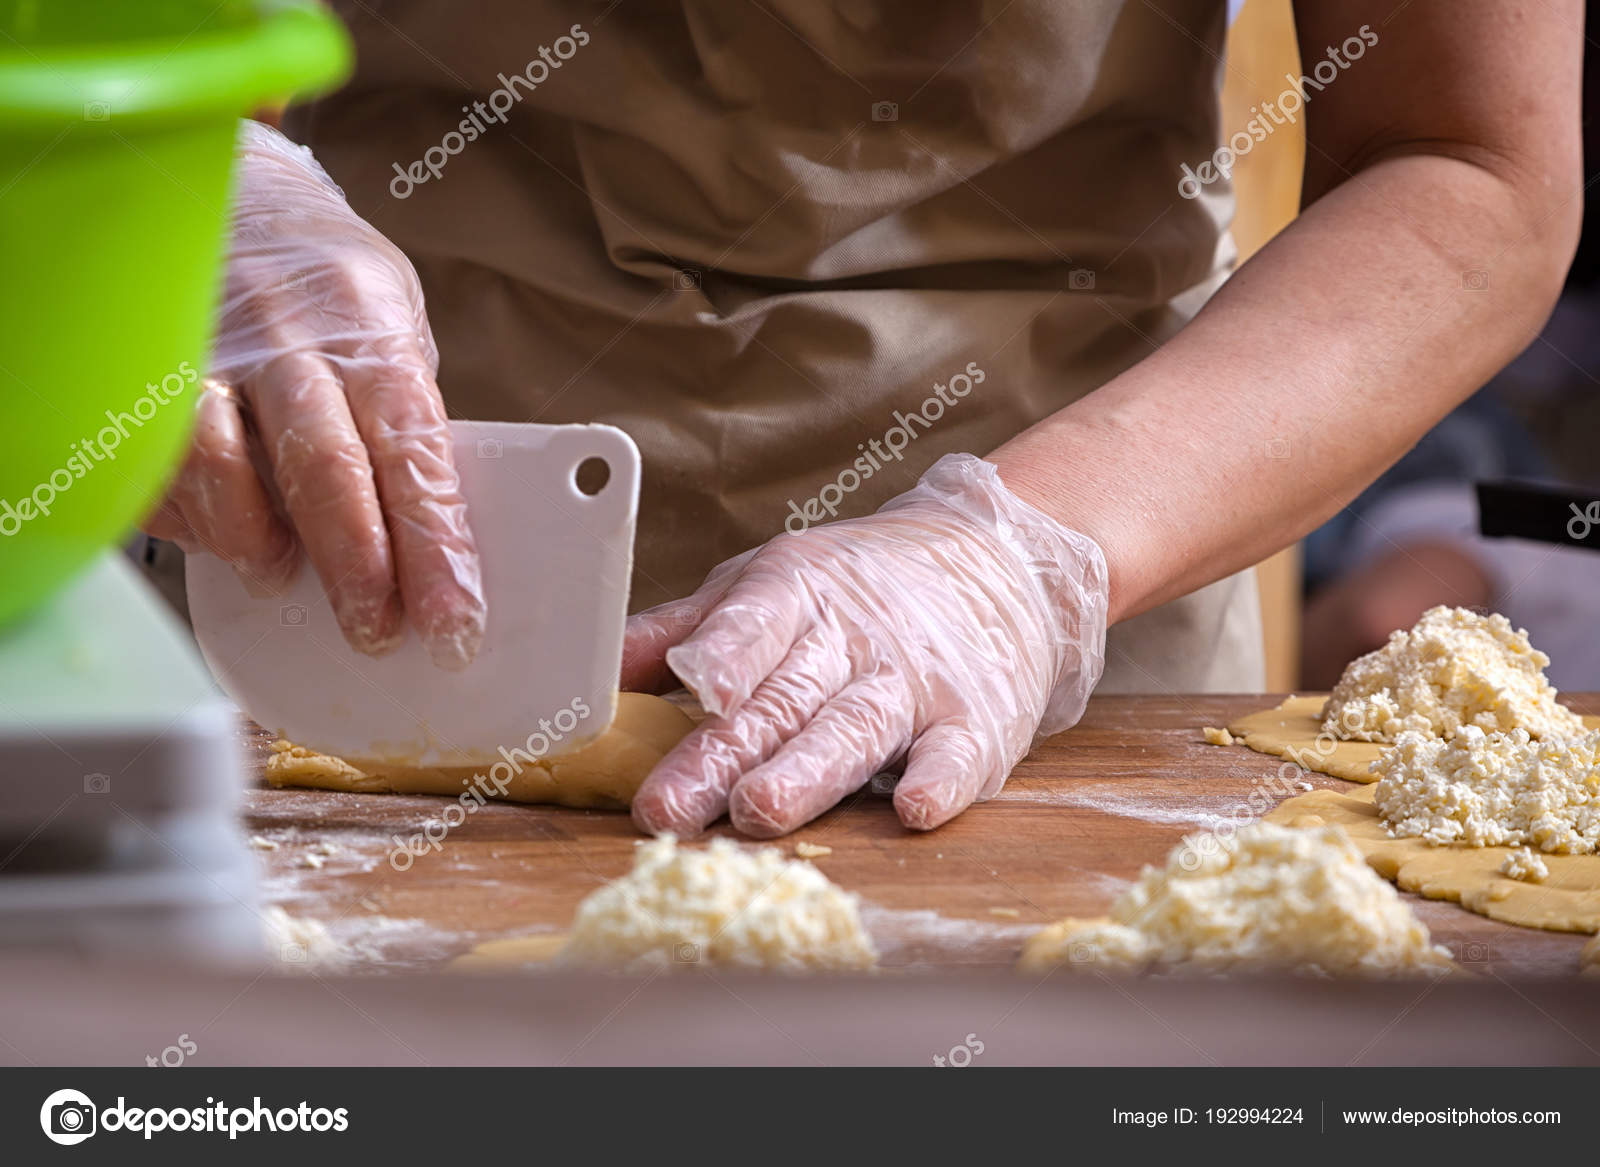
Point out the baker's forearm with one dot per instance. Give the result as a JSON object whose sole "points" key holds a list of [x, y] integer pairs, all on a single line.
{"points": [[1319, 364]]}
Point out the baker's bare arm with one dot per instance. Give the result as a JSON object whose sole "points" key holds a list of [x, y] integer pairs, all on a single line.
{"points": [[1450, 149]]}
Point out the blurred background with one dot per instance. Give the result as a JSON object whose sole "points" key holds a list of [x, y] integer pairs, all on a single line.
{"points": [[1410, 541]]}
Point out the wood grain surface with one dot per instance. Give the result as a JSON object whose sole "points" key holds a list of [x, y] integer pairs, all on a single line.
{"points": [[1077, 820]]}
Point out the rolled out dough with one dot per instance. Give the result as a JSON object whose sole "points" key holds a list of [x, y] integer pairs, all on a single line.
{"points": [[603, 774], [1294, 731], [1567, 900]]}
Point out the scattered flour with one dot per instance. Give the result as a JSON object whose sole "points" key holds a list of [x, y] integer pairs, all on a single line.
{"points": [[298, 945], [1109, 798], [358, 943], [919, 940]]}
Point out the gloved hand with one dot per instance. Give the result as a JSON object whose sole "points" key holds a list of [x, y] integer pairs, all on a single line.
{"points": [[321, 427], [954, 627]]}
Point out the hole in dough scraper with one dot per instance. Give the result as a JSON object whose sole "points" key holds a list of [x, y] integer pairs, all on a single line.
{"points": [[556, 563]]}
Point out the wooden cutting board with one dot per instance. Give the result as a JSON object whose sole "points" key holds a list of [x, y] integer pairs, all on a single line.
{"points": [[1077, 820]]}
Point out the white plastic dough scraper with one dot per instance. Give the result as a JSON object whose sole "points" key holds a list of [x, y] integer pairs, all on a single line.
{"points": [[557, 554]]}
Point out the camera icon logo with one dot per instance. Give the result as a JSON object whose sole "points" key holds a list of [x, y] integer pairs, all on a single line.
{"points": [[883, 784], [885, 111], [96, 111], [1473, 952], [292, 952], [1475, 280], [1278, 449], [292, 615], [295, 281], [68, 1117], [490, 448], [1080, 279], [686, 953], [97, 783], [686, 280]]}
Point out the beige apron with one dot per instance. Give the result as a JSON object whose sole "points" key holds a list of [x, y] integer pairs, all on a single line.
{"points": [[757, 236]]}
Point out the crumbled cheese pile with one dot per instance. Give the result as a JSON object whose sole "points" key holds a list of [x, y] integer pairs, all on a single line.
{"points": [[1455, 668], [722, 906], [1492, 790], [1267, 897], [1523, 864]]}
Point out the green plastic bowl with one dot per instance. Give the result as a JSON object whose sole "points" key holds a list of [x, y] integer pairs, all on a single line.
{"points": [[117, 128]]}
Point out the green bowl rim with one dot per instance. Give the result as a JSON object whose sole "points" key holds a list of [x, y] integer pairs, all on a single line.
{"points": [[296, 48]]}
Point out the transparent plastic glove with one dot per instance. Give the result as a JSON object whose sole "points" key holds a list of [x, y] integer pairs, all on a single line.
{"points": [[321, 429], [952, 628]]}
